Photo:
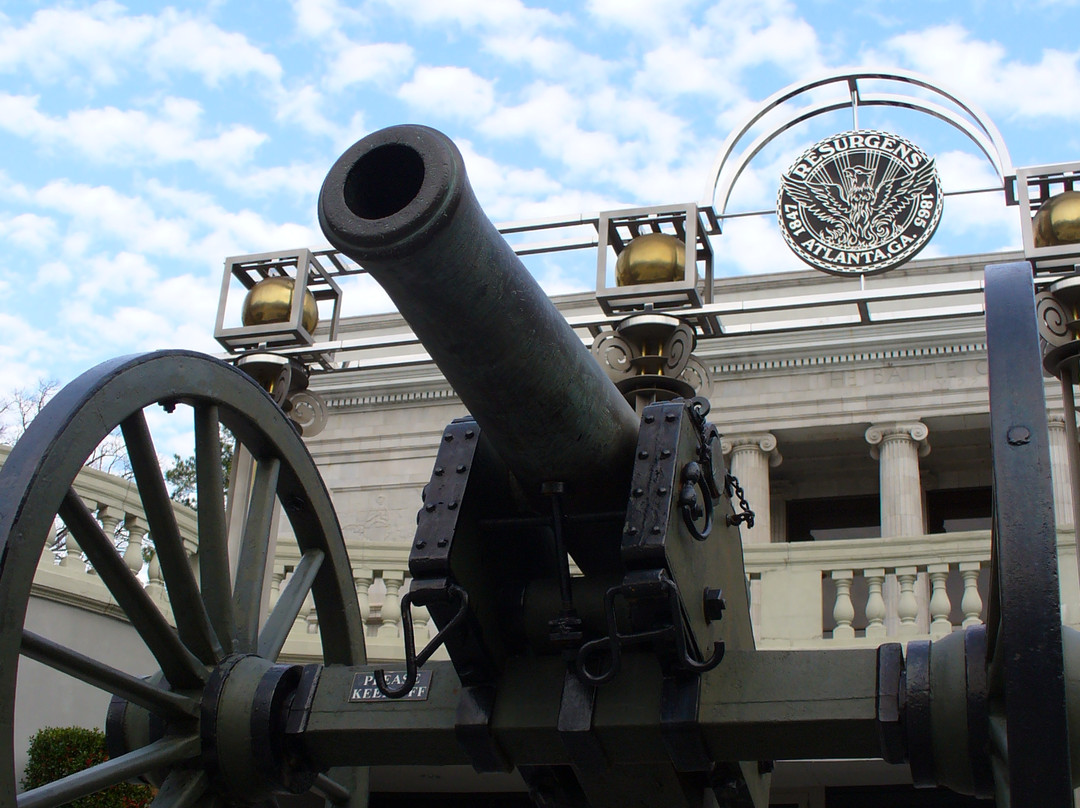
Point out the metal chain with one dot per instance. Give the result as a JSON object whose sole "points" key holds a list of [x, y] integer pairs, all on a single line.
{"points": [[735, 491]]}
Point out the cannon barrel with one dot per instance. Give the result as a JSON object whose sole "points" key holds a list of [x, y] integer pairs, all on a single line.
{"points": [[399, 203]]}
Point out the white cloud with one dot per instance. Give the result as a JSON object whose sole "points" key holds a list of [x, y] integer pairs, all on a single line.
{"points": [[111, 135], [104, 43], [547, 57], [92, 40], [504, 15], [29, 231], [357, 64], [984, 72], [203, 48], [753, 246], [317, 18], [453, 92], [101, 211]]}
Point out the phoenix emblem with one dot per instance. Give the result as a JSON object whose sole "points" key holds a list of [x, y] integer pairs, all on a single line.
{"points": [[859, 202]]}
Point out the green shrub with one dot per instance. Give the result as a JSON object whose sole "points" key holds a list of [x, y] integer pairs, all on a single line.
{"points": [[56, 752]]}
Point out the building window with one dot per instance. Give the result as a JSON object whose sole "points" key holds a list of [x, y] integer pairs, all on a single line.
{"points": [[834, 518]]}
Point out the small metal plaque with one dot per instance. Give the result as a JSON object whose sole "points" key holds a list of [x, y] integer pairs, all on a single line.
{"points": [[859, 202], [365, 689]]}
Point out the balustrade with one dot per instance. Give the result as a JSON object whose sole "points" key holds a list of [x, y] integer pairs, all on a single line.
{"points": [[810, 594]]}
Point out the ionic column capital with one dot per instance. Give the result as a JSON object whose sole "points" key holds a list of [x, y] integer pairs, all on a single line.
{"points": [[763, 442], [907, 431], [1055, 420]]}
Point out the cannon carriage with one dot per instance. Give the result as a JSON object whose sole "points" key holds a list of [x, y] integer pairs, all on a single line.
{"points": [[633, 683]]}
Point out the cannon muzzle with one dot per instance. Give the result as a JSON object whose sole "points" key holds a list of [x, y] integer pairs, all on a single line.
{"points": [[399, 203]]}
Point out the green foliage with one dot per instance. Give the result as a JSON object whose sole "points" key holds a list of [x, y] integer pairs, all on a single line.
{"points": [[181, 474], [56, 752]]}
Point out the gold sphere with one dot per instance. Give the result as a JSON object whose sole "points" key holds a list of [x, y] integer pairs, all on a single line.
{"points": [[652, 258], [270, 301], [1058, 220]]}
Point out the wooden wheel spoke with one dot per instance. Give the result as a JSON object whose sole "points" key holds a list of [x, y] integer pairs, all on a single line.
{"points": [[331, 790], [166, 752], [179, 666], [254, 550], [213, 538], [192, 621], [181, 789], [289, 604], [162, 702]]}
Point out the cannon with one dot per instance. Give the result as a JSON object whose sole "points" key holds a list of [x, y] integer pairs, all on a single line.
{"points": [[634, 681]]}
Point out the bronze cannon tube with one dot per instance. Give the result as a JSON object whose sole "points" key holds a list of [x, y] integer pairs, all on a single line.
{"points": [[399, 203]]}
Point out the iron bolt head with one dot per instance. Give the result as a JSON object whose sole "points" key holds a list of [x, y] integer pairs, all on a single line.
{"points": [[1018, 435]]}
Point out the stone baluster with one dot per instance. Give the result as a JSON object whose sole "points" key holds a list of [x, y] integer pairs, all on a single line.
{"points": [[136, 528], [310, 615], [109, 519], [155, 584], [363, 578], [420, 620], [1059, 472], [391, 608], [276, 577], [751, 458], [907, 607], [897, 447], [971, 603], [48, 559], [843, 609], [875, 603], [940, 607]]}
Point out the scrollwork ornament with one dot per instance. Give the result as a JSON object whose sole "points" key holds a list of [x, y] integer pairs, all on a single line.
{"points": [[697, 376], [914, 431], [677, 349], [615, 354], [308, 411], [1052, 319]]}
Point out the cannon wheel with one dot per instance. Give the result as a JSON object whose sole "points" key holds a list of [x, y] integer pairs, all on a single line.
{"points": [[217, 619], [1028, 734]]}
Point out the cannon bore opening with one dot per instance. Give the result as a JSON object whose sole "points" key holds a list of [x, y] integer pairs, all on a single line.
{"points": [[384, 181]]}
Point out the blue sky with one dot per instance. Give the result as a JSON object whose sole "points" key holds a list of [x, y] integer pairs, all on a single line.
{"points": [[143, 143]]}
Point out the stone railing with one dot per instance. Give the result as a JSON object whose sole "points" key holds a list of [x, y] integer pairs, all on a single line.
{"points": [[381, 575], [63, 575], [867, 591], [812, 594]]}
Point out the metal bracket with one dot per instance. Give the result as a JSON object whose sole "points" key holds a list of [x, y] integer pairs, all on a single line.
{"points": [[670, 633], [413, 660]]}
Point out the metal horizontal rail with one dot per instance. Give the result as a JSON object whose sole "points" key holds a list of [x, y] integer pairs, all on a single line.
{"points": [[952, 299]]}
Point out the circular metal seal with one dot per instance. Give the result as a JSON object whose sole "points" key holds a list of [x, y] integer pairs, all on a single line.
{"points": [[860, 202]]}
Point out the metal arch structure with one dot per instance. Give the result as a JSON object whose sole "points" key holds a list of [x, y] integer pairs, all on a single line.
{"points": [[970, 120]]}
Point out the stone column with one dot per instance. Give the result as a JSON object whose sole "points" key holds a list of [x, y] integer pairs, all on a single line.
{"points": [[751, 457], [1059, 472], [898, 447]]}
